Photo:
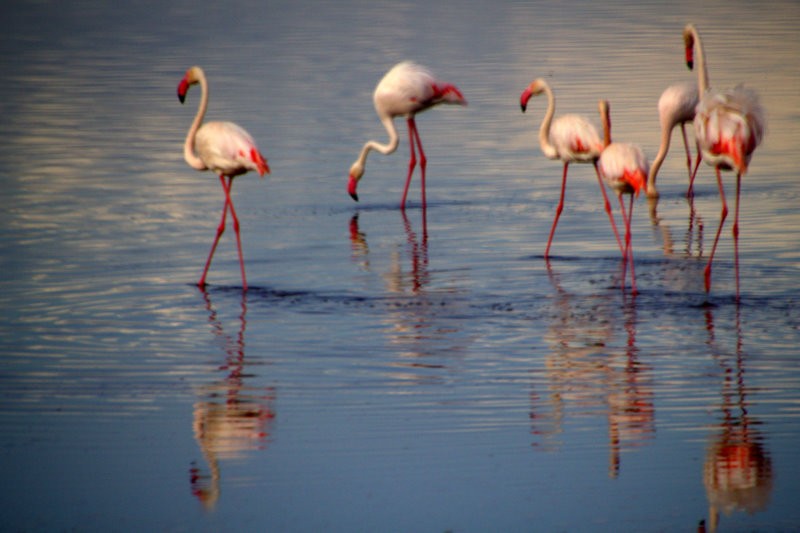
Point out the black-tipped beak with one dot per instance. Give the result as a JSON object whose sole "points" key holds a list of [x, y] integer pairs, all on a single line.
{"points": [[183, 86], [354, 196]]}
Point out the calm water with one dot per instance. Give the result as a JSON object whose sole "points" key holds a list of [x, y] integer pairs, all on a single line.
{"points": [[386, 372]]}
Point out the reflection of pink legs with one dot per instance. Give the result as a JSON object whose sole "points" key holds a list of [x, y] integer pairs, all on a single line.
{"points": [[226, 187]]}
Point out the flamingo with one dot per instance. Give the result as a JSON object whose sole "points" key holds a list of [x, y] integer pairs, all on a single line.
{"points": [[407, 89], [728, 127], [624, 168], [225, 148], [676, 107], [570, 138]]}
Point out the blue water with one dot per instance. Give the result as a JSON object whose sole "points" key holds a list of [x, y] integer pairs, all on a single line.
{"points": [[386, 371]]}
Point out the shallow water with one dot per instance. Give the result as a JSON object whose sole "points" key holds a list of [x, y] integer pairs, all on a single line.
{"points": [[386, 371]]}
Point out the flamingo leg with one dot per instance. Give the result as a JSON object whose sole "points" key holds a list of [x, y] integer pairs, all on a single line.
{"points": [[412, 161], [722, 217], [235, 229], [559, 209], [692, 171], [736, 232], [423, 162], [220, 231], [607, 206], [626, 217]]}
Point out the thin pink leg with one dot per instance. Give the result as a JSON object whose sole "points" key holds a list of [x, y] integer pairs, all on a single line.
{"points": [[412, 161], [559, 209], [236, 229], [423, 162], [607, 206], [626, 217], [693, 171], [220, 231], [722, 217], [736, 232]]}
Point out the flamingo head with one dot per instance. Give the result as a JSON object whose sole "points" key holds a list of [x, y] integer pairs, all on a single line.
{"points": [[192, 76], [536, 87], [688, 42], [356, 171]]}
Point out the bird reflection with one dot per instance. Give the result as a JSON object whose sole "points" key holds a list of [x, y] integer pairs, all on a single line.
{"points": [[692, 239], [738, 469], [586, 373], [230, 417], [414, 318]]}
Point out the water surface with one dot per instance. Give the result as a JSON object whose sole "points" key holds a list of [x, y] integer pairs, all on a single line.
{"points": [[425, 370]]}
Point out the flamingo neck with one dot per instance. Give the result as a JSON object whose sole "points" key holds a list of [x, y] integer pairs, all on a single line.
{"points": [[384, 149], [702, 69], [544, 131], [188, 146], [666, 134]]}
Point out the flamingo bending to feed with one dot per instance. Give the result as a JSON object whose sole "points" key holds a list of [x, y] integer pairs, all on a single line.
{"points": [[624, 168], [404, 91], [224, 148], [728, 127], [570, 138], [676, 107]]}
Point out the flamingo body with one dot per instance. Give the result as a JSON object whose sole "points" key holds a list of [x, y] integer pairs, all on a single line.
{"points": [[226, 149], [405, 90], [569, 138]]}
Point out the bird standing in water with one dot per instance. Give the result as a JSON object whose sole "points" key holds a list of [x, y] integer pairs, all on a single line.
{"points": [[226, 149], [404, 91]]}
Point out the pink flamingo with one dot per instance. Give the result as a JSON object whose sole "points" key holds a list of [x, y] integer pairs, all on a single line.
{"points": [[676, 107], [223, 147], [570, 138], [405, 90], [728, 127], [624, 168]]}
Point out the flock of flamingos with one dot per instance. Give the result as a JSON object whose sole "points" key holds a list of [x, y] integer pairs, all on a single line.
{"points": [[728, 126]]}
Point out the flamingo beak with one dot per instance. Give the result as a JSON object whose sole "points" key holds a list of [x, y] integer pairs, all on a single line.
{"points": [[183, 86], [523, 99], [351, 188]]}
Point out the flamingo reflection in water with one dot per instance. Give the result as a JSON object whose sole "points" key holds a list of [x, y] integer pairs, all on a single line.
{"points": [[417, 320], [586, 373], [231, 417], [737, 472]]}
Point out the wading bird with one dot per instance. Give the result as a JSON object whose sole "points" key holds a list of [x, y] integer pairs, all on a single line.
{"points": [[407, 89], [224, 148], [624, 167], [728, 127], [676, 107], [570, 138]]}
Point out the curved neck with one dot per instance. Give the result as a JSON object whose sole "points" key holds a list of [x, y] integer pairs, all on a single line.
{"points": [[702, 70], [666, 134], [188, 146], [544, 131], [384, 149]]}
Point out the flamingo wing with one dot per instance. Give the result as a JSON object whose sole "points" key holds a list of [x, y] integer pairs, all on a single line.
{"points": [[575, 138], [624, 167], [226, 148], [729, 126]]}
